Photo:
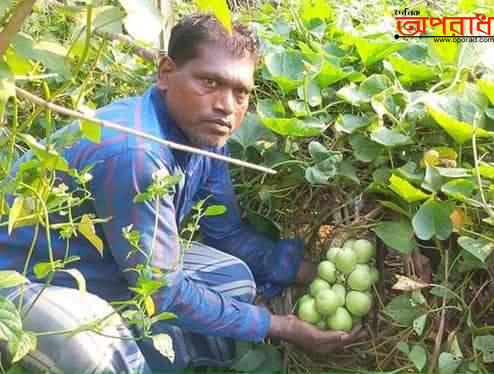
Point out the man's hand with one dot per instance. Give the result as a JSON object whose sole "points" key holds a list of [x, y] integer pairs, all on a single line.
{"points": [[309, 337]]}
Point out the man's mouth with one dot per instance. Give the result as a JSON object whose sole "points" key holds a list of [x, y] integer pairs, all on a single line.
{"points": [[220, 126]]}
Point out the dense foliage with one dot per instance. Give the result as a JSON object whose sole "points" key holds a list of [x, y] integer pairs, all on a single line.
{"points": [[370, 136]]}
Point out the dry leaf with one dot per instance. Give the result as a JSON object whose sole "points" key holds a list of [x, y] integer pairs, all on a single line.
{"points": [[408, 284]]}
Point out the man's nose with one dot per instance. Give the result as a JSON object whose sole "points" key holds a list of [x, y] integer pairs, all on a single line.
{"points": [[225, 102]]}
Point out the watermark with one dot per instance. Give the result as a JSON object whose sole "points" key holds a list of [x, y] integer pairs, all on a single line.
{"points": [[478, 28]]}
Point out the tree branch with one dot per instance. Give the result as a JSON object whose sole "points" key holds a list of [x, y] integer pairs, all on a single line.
{"points": [[147, 54], [19, 14], [107, 124]]}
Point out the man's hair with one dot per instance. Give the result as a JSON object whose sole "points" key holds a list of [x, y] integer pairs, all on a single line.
{"points": [[192, 30]]}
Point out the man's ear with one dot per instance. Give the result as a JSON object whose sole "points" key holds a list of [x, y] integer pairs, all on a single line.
{"points": [[166, 67]]}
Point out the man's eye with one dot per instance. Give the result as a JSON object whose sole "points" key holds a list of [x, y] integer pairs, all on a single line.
{"points": [[208, 82], [242, 93]]}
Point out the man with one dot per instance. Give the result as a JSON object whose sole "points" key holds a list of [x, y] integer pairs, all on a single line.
{"points": [[200, 99]]}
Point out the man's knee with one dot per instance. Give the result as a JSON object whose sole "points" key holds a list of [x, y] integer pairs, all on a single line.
{"points": [[65, 309]]}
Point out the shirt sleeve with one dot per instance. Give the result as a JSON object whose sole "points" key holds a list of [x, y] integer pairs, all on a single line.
{"points": [[199, 309], [273, 263]]}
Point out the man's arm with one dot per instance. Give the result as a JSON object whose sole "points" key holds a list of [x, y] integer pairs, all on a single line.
{"points": [[115, 183], [275, 264]]}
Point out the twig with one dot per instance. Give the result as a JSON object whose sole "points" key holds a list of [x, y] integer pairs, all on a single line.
{"points": [[442, 322], [19, 14], [150, 55], [107, 124]]}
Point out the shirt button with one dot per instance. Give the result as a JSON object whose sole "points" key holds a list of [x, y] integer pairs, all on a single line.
{"points": [[261, 289], [268, 285]]}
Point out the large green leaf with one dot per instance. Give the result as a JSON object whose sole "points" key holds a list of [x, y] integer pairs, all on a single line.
{"points": [[402, 310], [485, 344], [411, 72], [21, 345], [251, 132], [456, 117], [368, 88], [364, 149], [418, 356], [487, 87], [315, 9], [348, 123], [49, 53], [286, 68], [330, 74], [448, 362], [10, 320], [294, 126], [219, 9], [486, 170], [458, 189], [406, 190], [433, 220], [326, 163], [389, 138], [7, 86], [480, 248], [372, 50], [140, 13], [310, 92], [444, 55], [49, 157], [397, 235]]}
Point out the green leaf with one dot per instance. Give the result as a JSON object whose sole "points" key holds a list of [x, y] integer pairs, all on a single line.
{"points": [[458, 188], [294, 126], [49, 53], [251, 132], [445, 56], [487, 87], [374, 85], [91, 131], [270, 108], [394, 207], [433, 220], [163, 344], [139, 13], [250, 361], [374, 50], [10, 320], [411, 72], [313, 93], [418, 356], [286, 68], [49, 156], [19, 213], [486, 170], [215, 210], [7, 86], [347, 170], [348, 123], [315, 9], [448, 363], [419, 324], [480, 248], [452, 172], [22, 345], [42, 269], [364, 149], [485, 344], [401, 310], [352, 95], [397, 235], [406, 190], [4, 5], [263, 224], [459, 130], [220, 10], [389, 138], [86, 228], [330, 74], [403, 348], [432, 180], [11, 278]]}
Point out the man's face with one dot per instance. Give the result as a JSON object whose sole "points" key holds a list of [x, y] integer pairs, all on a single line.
{"points": [[208, 96]]}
